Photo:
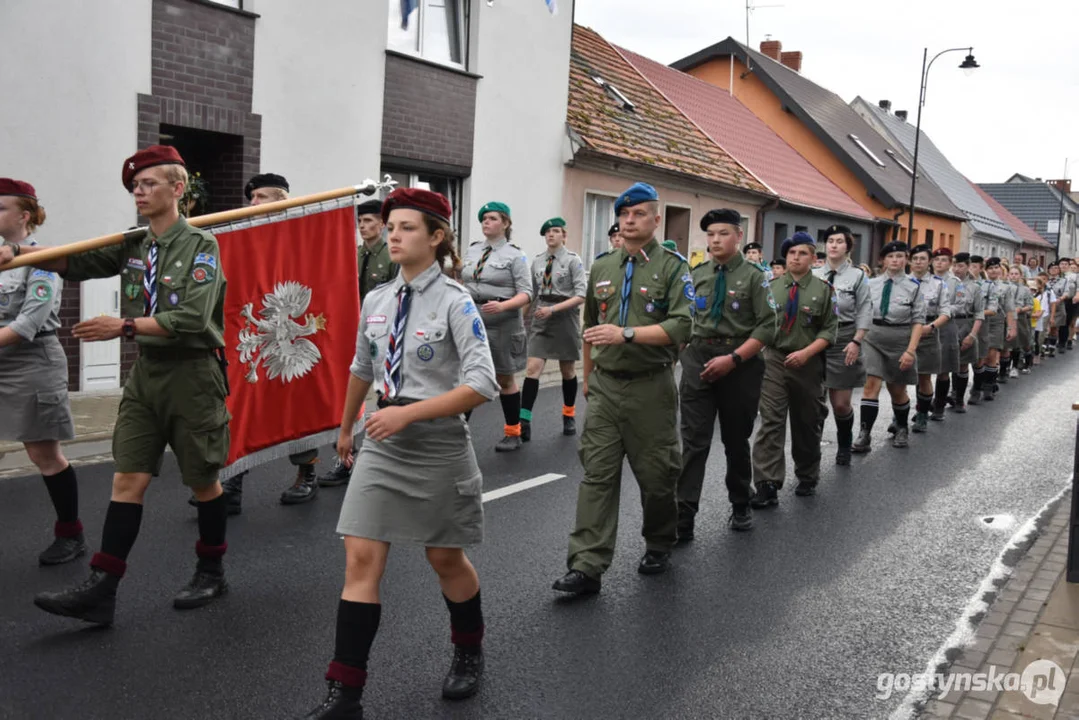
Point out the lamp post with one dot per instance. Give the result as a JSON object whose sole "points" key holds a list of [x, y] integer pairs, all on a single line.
{"points": [[968, 66]]}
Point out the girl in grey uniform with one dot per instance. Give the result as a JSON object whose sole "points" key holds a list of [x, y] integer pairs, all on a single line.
{"points": [[422, 343], [1056, 285], [497, 276], [949, 334], [844, 369], [33, 371], [891, 346], [969, 317], [938, 315], [1000, 311], [1022, 349], [1010, 293], [558, 285]]}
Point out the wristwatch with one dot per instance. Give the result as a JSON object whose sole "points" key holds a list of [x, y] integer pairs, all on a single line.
{"points": [[129, 328], [628, 334], [737, 359], [15, 249]]}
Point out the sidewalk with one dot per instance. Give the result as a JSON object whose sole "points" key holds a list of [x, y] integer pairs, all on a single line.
{"points": [[95, 413], [1035, 617]]}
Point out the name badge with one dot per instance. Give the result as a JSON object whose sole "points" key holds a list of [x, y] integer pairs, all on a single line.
{"points": [[376, 319]]}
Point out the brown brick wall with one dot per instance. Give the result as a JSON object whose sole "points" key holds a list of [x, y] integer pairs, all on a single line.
{"points": [[70, 314], [428, 115]]}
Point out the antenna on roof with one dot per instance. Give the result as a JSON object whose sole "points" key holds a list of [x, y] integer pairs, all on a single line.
{"points": [[750, 7]]}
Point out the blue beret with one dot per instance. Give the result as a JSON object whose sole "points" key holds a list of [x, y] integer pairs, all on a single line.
{"points": [[799, 238], [637, 193], [725, 215]]}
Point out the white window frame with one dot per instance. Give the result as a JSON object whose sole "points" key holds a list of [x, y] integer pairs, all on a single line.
{"points": [[422, 8], [456, 183], [588, 243]]}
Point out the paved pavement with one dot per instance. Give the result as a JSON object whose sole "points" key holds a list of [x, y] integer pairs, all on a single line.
{"points": [[797, 618]]}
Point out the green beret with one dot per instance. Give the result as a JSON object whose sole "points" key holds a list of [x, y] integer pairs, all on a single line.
{"points": [[670, 245], [494, 207], [552, 223]]}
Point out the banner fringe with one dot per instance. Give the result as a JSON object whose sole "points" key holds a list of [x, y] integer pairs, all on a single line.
{"points": [[291, 213], [281, 450]]}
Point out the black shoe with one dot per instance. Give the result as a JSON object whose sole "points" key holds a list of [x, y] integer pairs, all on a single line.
{"points": [[902, 438], [842, 456], [526, 431], [685, 531], [975, 398], [921, 422], [960, 408], [206, 585], [304, 489], [950, 400], [463, 679], [569, 425], [508, 444], [341, 703], [938, 413], [864, 443], [987, 396], [94, 601], [741, 518], [63, 550], [767, 494], [576, 582], [654, 562], [339, 474], [891, 428], [805, 488]]}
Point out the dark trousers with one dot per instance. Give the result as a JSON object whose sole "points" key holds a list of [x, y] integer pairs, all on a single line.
{"points": [[732, 399]]}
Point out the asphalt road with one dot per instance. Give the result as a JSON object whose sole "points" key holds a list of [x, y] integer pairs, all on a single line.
{"points": [[795, 619]]}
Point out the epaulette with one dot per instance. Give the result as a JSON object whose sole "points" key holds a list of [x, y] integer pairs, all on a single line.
{"points": [[478, 242], [452, 283], [677, 254], [514, 246]]}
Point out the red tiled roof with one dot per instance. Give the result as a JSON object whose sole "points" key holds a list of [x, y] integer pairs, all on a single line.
{"points": [[654, 133], [732, 126], [1020, 228]]}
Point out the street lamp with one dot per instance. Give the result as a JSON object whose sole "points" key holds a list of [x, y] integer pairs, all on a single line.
{"points": [[968, 66]]}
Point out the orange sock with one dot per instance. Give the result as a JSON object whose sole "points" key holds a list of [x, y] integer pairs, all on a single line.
{"points": [[513, 430], [569, 411]]}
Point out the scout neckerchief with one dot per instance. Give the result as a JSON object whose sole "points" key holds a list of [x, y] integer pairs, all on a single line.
{"points": [[627, 290], [790, 310], [547, 274], [149, 282], [885, 298], [483, 261], [719, 291], [395, 351]]}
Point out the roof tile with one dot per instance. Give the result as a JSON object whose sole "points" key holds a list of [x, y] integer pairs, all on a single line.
{"points": [[1020, 228]]}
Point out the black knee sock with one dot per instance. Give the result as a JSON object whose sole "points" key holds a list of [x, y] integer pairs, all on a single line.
{"points": [[869, 409], [924, 403], [990, 380], [569, 392], [960, 381], [357, 625], [64, 493], [122, 522], [213, 519], [1028, 359], [940, 390], [902, 413], [466, 621], [1017, 355], [1005, 363], [511, 408], [844, 430], [528, 397]]}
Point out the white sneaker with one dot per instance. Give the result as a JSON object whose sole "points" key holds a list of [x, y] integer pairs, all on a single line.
{"points": [[1014, 373], [1025, 371]]}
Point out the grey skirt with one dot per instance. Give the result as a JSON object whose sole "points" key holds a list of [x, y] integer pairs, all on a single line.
{"points": [[420, 486], [1024, 339], [949, 348], [974, 353], [983, 339], [838, 375], [929, 352], [33, 392], [557, 337], [996, 325], [883, 347], [509, 344]]}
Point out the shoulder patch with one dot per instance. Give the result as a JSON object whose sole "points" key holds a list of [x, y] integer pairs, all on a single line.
{"points": [[206, 259], [44, 274], [478, 329], [40, 290]]}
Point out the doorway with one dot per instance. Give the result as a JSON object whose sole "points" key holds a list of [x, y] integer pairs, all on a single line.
{"points": [[676, 227], [215, 161]]}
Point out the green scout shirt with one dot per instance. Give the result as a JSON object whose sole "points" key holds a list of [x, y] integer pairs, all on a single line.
{"points": [[661, 294], [191, 283], [749, 310], [817, 316], [379, 269]]}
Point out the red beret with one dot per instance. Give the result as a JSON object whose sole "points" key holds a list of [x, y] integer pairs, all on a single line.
{"points": [[17, 187], [942, 252], [425, 201], [149, 157]]}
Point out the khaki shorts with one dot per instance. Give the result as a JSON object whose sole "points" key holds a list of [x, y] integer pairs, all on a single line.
{"points": [[179, 403]]}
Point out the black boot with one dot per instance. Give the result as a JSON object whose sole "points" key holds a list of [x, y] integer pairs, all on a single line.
{"points": [[526, 430], [94, 601], [463, 679], [569, 425], [342, 703], [844, 430], [509, 443], [339, 475], [207, 584], [63, 549], [576, 582], [304, 489], [685, 529], [767, 494], [741, 518]]}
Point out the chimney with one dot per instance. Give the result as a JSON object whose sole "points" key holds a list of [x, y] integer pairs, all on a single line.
{"points": [[772, 48], [793, 60], [885, 105], [1065, 186], [901, 114]]}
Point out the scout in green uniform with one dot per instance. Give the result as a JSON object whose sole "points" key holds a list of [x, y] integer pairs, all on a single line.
{"points": [[636, 313], [174, 293], [794, 365], [734, 318]]}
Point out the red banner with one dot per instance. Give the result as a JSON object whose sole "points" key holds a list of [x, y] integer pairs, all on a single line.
{"points": [[291, 313]]}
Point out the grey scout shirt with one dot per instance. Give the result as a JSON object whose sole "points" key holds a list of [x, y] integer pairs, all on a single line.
{"points": [[933, 289], [1024, 298], [906, 305], [567, 274], [30, 300], [1058, 285], [444, 341], [504, 274], [852, 292], [991, 296], [969, 300]]}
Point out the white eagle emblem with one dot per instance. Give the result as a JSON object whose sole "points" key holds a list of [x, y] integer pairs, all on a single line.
{"points": [[274, 340]]}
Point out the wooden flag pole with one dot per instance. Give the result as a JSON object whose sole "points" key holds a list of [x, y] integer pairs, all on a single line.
{"points": [[369, 187]]}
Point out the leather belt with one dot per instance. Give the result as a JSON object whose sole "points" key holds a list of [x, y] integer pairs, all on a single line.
{"points": [[888, 324], [735, 342], [633, 375], [383, 402], [847, 324], [44, 333], [962, 317], [553, 298]]}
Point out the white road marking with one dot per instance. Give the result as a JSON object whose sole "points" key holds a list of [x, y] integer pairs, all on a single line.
{"points": [[521, 486]]}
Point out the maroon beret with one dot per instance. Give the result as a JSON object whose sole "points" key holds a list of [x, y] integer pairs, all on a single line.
{"points": [[17, 187], [425, 201], [149, 157], [942, 252]]}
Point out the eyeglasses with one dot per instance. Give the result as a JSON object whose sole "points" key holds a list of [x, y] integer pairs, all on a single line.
{"points": [[147, 186]]}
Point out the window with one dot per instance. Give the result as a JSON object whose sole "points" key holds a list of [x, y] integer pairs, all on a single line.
{"points": [[433, 29], [598, 218], [448, 186], [801, 228], [929, 237], [779, 234], [615, 93], [865, 149], [238, 4]]}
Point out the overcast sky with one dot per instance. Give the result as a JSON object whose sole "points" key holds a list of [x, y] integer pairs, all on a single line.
{"points": [[1018, 113]]}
